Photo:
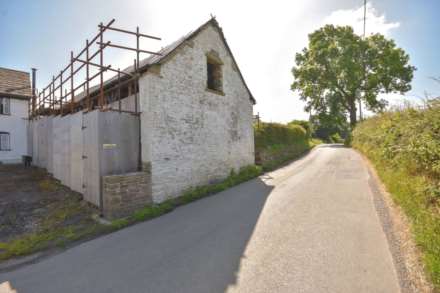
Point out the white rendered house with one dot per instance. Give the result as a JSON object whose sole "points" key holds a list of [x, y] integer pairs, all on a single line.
{"points": [[15, 94]]}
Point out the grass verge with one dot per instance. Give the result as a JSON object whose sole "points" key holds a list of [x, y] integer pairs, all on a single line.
{"points": [[193, 194], [59, 227], [404, 147], [410, 192]]}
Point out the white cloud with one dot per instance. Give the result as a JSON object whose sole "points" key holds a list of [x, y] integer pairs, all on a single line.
{"points": [[375, 22]]}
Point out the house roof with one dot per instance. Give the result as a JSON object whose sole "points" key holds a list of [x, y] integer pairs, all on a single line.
{"points": [[15, 83], [167, 52]]}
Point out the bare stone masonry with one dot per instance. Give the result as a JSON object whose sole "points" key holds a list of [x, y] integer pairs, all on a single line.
{"points": [[125, 193]]}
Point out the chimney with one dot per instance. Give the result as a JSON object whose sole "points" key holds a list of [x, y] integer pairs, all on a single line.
{"points": [[34, 92]]}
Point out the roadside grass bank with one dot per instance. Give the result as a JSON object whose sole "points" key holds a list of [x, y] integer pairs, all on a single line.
{"points": [[277, 144], [193, 194], [404, 146]]}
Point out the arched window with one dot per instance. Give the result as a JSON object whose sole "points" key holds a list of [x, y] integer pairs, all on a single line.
{"points": [[5, 141]]}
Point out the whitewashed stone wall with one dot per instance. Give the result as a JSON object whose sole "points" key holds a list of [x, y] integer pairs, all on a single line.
{"points": [[189, 135]]}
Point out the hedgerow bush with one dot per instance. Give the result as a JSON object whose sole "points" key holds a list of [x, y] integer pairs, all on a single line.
{"points": [[267, 134], [277, 143], [404, 146], [305, 124], [406, 137]]}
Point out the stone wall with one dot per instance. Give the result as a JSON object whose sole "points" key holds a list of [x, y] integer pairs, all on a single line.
{"points": [[123, 194], [193, 136]]}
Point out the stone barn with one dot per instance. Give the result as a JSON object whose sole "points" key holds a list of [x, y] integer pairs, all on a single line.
{"points": [[194, 126]]}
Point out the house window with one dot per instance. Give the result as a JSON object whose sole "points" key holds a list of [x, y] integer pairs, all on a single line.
{"points": [[5, 106], [5, 142], [214, 74]]}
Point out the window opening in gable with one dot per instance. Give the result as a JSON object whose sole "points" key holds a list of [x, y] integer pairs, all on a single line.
{"points": [[214, 75]]}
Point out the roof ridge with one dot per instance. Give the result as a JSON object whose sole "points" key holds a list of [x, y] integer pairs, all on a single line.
{"points": [[10, 69]]}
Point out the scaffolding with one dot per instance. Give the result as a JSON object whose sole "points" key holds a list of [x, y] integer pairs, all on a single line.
{"points": [[60, 96]]}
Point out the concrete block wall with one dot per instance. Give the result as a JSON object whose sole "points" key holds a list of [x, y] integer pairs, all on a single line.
{"points": [[56, 152], [91, 171], [76, 152], [78, 149], [49, 145], [119, 142]]}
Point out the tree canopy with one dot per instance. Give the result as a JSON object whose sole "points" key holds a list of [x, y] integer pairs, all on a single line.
{"points": [[339, 68]]}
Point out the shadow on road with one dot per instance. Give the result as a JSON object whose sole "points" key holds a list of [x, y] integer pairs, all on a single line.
{"points": [[196, 248]]}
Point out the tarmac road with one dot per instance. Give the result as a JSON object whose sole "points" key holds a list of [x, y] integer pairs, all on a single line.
{"points": [[308, 227]]}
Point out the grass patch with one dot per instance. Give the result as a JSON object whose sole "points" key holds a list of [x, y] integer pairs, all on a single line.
{"points": [[404, 147], [48, 185], [31, 243], [58, 227]]}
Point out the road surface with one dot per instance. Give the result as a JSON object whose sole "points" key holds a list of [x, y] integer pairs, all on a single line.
{"points": [[308, 227]]}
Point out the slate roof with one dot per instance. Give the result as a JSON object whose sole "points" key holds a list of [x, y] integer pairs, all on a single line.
{"points": [[15, 83], [167, 51]]}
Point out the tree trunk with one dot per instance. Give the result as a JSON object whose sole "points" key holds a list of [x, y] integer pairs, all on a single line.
{"points": [[353, 118]]}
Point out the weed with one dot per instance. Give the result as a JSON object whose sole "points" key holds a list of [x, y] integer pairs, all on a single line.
{"points": [[48, 185]]}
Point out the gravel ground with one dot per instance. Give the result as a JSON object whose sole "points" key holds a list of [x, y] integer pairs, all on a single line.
{"points": [[31, 200]]}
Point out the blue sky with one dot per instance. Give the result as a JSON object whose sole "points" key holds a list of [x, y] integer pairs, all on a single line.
{"points": [[419, 35], [264, 37]]}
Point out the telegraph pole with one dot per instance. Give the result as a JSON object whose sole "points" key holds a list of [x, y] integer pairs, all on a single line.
{"points": [[365, 14], [365, 20]]}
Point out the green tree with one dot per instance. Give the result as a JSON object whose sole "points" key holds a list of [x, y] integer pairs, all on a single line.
{"points": [[326, 125], [304, 124], [339, 67]]}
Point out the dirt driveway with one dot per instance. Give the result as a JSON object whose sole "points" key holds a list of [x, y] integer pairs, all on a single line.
{"points": [[36, 211]]}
